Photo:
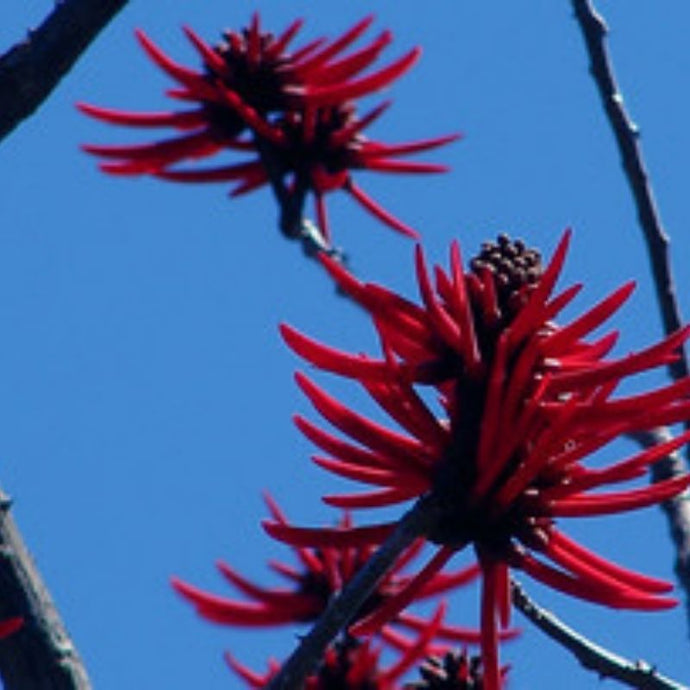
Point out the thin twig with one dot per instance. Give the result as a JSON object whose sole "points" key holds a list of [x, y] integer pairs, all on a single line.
{"points": [[416, 522], [677, 509], [626, 132], [30, 70], [41, 655], [635, 674], [594, 31]]}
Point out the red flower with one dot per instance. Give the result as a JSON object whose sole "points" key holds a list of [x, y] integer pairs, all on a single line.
{"points": [[524, 402], [10, 625], [322, 574], [352, 664], [292, 112]]}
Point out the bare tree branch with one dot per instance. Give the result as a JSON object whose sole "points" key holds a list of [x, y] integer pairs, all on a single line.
{"points": [[41, 655], [30, 70], [626, 133], [594, 31], [635, 674]]}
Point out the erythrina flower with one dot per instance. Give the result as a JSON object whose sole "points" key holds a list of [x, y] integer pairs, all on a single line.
{"points": [[352, 664], [322, 574], [292, 112], [525, 401]]}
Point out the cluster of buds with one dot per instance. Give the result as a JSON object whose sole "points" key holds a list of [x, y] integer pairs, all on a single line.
{"points": [[290, 114]]}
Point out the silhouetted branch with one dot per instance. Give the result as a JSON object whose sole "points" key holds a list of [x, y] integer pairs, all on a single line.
{"points": [[635, 674], [30, 70], [41, 655], [626, 133]]}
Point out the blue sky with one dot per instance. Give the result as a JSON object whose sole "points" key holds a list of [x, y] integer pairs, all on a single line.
{"points": [[145, 395]]}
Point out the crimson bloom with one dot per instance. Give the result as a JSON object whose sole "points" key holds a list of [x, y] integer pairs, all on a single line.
{"points": [[352, 664], [292, 112], [524, 403], [322, 573]]}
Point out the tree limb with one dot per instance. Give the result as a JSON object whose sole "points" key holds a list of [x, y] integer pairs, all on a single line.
{"points": [[41, 655], [626, 133], [635, 674], [31, 69]]}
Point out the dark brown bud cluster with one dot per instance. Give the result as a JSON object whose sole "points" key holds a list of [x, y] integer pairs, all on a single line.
{"points": [[455, 671], [513, 266]]}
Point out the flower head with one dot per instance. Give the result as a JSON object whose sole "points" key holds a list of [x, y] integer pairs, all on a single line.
{"points": [[322, 573], [524, 402], [352, 664], [292, 112]]}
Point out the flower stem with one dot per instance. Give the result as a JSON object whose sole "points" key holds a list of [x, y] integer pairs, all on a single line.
{"points": [[415, 523]]}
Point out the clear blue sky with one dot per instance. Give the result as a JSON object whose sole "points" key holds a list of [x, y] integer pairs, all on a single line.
{"points": [[145, 396]]}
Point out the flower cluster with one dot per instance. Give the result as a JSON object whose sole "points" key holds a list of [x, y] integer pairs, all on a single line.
{"points": [[354, 664], [524, 402], [321, 575], [292, 112]]}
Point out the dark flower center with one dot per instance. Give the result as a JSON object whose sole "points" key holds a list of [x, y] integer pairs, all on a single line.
{"points": [[318, 586], [455, 671], [514, 266], [335, 673], [260, 83]]}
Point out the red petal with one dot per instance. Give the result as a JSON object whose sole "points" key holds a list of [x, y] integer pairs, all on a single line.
{"points": [[531, 315], [251, 678], [415, 652], [352, 64], [329, 95], [374, 499], [341, 449], [194, 81], [372, 149], [330, 359], [10, 625], [565, 336], [375, 476], [332, 49], [225, 611], [392, 606], [371, 434], [343, 136], [282, 41], [182, 120], [619, 501], [224, 174], [379, 212], [213, 59], [615, 598], [623, 575], [335, 537]]}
